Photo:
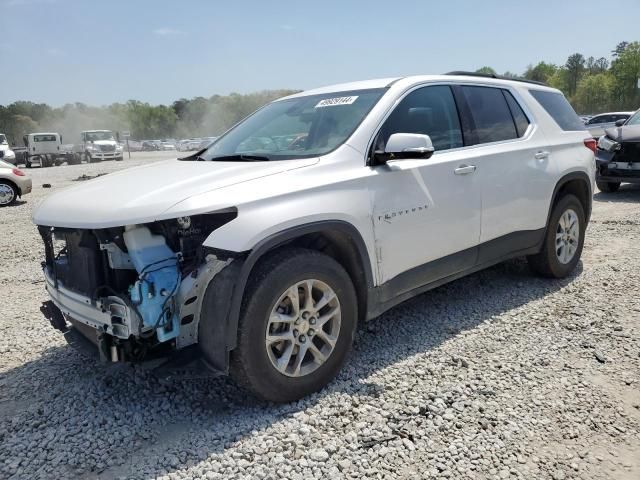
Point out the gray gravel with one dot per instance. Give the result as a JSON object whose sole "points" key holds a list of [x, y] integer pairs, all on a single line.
{"points": [[498, 375]]}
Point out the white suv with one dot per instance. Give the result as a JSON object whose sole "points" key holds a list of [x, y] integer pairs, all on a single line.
{"points": [[322, 209]]}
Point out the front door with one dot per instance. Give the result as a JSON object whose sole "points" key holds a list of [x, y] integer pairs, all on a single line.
{"points": [[426, 212]]}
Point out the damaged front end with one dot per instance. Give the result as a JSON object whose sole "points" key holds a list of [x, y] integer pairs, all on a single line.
{"points": [[134, 291], [618, 155]]}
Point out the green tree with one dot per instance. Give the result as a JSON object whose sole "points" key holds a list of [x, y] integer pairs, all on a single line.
{"points": [[626, 70], [594, 93], [541, 72], [486, 71], [575, 67]]}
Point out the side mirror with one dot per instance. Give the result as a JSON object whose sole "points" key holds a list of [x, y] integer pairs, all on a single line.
{"points": [[620, 122], [402, 146]]}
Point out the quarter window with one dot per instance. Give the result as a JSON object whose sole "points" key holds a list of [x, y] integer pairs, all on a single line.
{"points": [[490, 114], [429, 111], [519, 118]]}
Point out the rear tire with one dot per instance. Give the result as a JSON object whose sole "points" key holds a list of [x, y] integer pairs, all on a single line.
{"points": [[608, 187], [561, 249], [8, 193], [276, 370]]}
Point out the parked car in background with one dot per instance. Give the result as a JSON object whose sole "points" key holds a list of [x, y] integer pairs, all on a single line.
{"points": [[98, 145], [14, 183], [206, 142], [150, 146], [598, 123], [167, 145], [6, 154], [46, 149], [322, 209], [618, 154]]}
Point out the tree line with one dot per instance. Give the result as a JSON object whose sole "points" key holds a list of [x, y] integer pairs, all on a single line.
{"points": [[592, 85]]}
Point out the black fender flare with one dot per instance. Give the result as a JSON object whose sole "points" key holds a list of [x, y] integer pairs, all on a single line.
{"points": [[578, 175], [225, 339]]}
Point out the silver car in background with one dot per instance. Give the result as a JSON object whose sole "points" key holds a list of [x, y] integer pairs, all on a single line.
{"points": [[599, 123], [14, 183]]}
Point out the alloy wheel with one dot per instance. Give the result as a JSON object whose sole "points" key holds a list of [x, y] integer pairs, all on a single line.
{"points": [[567, 236], [303, 328]]}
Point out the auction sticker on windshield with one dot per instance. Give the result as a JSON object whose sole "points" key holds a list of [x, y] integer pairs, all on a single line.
{"points": [[334, 102]]}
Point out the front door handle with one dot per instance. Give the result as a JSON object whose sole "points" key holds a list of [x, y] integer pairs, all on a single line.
{"points": [[465, 169], [543, 155]]}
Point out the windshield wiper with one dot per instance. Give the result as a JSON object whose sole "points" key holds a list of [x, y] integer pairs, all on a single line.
{"points": [[241, 158]]}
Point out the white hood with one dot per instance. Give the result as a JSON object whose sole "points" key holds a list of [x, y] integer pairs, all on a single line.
{"points": [[143, 194]]}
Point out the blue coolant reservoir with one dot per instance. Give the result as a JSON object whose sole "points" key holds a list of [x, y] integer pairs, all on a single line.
{"points": [[158, 280]]}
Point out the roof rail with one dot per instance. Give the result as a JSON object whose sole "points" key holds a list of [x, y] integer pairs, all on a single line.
{"points": [[493, 75]]}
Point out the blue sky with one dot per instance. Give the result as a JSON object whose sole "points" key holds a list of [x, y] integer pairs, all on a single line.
{"points": [[60, 51]]}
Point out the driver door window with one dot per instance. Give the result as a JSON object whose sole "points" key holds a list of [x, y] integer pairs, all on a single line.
{"points": [[429, 111]]}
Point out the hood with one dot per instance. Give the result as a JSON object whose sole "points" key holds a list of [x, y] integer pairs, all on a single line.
{"points": [[103, 142], [143, 194], [626, 133], [4, 147]]}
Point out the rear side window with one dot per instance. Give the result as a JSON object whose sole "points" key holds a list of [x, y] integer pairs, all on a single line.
{"points": [[557, 106], [519, 118], [490, 113]]}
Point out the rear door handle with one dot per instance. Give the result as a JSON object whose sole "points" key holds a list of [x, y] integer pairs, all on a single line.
{"points": [[543, 155], [465, 169]]}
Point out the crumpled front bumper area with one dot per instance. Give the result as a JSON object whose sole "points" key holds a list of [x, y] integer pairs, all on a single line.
{"points": [[619, 166], [109, 315]]}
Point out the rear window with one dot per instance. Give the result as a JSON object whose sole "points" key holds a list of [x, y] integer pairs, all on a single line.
{"points": [[557, 106], [44, 138]]}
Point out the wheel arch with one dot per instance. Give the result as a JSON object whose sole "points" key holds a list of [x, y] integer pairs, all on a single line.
{"points": [[336, 238], [575, 183]]}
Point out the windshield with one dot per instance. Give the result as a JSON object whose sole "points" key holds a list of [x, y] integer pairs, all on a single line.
{"points": [[93, 136], [635, 119], [3, 139], [300, 127]]}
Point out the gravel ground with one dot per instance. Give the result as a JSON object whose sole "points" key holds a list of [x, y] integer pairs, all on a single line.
{"points": [[498, 375]]}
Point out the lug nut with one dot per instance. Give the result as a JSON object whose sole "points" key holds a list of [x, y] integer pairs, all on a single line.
{"points": [[312, 321], [295, 332], [311, 332], [302, 339]]}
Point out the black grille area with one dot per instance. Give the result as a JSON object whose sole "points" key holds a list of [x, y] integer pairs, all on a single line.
{"points": [[107, 148], [629, 152], [75, 259]]}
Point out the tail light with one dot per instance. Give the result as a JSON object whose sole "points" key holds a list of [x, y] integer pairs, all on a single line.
{"points": [[591, 144], [18, 172]]}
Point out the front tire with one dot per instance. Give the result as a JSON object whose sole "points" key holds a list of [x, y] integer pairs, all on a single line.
{"points": [[297, 325], [608, 187], [563, 240]]}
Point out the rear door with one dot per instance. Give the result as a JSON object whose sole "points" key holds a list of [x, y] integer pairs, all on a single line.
{"points": [[513, 167]]}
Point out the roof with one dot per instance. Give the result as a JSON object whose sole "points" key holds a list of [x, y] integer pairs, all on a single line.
{"points": [[416, 79], [44, 133]]}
